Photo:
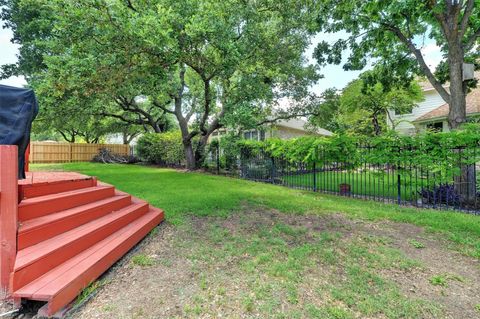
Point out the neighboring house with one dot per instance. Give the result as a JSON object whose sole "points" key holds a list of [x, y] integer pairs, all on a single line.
{"points": [[432, 113], [118, 138], [284, 129]]}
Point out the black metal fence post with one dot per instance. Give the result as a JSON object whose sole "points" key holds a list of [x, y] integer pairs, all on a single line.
{"points": [[314, 176], [399, 190], [218, 159], [272, 173]]}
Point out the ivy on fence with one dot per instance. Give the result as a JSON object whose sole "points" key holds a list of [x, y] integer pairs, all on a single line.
{"points": [[443, 154]]}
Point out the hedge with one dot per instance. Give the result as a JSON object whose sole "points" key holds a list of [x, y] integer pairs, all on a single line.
{"points": [[437, 152]]}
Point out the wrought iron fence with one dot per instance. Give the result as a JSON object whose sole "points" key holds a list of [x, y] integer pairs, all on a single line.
{"points": [[402, 181]]}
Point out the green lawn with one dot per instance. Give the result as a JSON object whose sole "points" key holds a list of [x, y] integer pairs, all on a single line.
{"points": [[182, 194], [364, 183], [252, 250]]}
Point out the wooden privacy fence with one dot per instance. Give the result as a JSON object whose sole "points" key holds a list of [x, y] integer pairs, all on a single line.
{"points": [[49, 152]]}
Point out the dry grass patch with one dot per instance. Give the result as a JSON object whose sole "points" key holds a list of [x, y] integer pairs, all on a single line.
{"points": [[259, 263]]}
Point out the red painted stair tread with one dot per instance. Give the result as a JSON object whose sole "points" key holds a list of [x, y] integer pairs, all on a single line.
{"points": [[41, 228], [55, 187], [36, 260], [44, 205], [30, 254]]}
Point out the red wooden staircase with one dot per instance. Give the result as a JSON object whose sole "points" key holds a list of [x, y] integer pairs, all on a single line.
{"points": [[71, 230]]}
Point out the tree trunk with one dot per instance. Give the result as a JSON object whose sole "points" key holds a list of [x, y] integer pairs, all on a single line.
{"points": [[187, 142], [465, 183], [189, 155], [200, 150], [457, 114], [376, 125]]}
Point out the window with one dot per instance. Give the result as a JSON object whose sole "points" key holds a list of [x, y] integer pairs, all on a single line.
{"points": [[262, 135], [435, 127], [255, 135]]}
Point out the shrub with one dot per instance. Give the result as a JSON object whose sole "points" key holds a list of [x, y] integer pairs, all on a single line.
{"points": [[229, 144], [442, 154], [161, 148], [440, 194]]}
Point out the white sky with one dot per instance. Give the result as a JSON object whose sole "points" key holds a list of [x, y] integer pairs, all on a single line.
{"points": [[334, 75], [8, 54]]}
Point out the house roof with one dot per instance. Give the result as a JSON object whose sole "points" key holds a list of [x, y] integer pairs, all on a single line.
{"points": [[425, 85], [298, 124], [441, 112]]}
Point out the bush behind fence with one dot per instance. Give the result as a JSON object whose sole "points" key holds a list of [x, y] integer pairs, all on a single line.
{"points": [[419, 176]]}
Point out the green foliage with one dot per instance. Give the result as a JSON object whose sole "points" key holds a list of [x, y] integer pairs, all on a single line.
{"points": [[440, 153], [143, 260], [209, 63], [416, 244], [229, 144], [442, 279], [161, 148], [361, 107], [90, 290], [364, 103], [327, 111]]}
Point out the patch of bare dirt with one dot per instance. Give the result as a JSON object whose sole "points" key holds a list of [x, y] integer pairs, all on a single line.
{"points": [[460, 295], [7, 308]]}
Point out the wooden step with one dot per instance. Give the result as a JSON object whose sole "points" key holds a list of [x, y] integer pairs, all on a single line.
{"points": [[47, 188], [34, 261], [63, 283], [47, 204], [36, 230]]}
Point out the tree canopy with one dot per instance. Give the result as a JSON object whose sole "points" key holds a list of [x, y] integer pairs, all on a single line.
{"points": [[208, 63], [393, 33], [364, 106]]}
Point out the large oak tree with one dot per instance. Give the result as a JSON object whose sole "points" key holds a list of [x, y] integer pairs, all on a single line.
{"points": [[208, 63]]}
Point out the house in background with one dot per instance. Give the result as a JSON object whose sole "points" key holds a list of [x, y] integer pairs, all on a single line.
{"points": [[432, 113], [284, 129]]}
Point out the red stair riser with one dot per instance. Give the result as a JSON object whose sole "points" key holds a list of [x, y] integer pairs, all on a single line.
{"points": [[27, 211], [69, 293], [42, 265], [36, 190], [36, 235], [39, 290]]}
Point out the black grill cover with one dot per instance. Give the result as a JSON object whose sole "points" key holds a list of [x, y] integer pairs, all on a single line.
{"points": [[18, 109]]}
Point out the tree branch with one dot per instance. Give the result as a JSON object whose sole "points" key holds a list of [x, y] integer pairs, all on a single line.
{"points": [[466, 16], [163, 107], [471, 41], [130, 5], [123, 118], [441, 18], [423, 65]]}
